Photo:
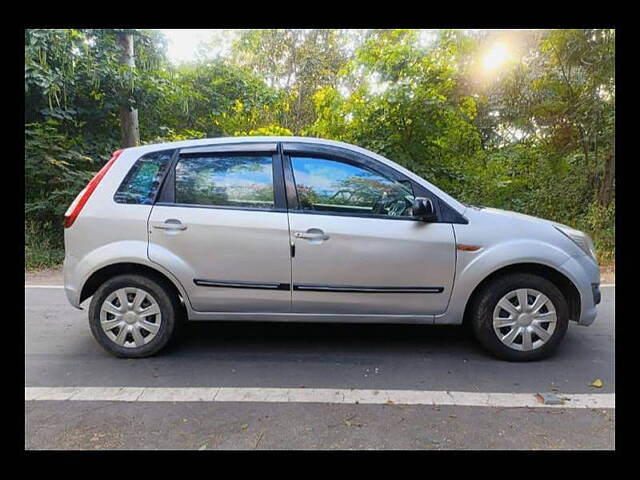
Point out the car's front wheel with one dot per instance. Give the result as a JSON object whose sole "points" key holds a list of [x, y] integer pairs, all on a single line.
{"points": [[520, 317], [133, 316]]}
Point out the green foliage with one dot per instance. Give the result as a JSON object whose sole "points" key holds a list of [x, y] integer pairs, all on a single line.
{"points": [[222, 99], [410, 113], [601, 222], [55, 169], [268, 131], [43, 245], [537, 136], [298, 62]]}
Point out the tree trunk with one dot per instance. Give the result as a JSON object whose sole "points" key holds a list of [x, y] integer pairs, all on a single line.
{"points": [[130, 134], [606, 188]]}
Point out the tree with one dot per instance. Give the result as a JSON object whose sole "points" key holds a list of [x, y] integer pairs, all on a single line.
{"points": [[405, 108], [561, 97], [75, 87], [222, 100], [296, 62], [536, 135], [129, 129]]}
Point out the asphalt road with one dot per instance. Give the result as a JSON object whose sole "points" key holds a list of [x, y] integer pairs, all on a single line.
{"points": [[60, 352]]}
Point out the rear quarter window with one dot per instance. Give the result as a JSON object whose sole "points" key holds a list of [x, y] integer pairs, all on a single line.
{"points": [[143, 180]]}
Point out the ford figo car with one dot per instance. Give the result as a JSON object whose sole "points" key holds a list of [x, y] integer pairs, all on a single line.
{"points": [[294, 229]]}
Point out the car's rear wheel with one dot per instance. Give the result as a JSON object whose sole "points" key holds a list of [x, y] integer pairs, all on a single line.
{"points": [[520, 317], [133, 316]]}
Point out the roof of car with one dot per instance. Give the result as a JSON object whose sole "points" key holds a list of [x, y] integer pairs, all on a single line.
{"points": [[224, 140]]}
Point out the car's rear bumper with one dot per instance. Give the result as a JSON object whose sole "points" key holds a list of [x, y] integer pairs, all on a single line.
{"points": [[71, 286]]}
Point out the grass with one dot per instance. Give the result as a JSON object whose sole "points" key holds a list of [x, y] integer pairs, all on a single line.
{"points": [[605, 249], [43, 246], [606, 258]]}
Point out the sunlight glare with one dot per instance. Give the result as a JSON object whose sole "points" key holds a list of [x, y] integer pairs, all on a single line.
{"points": [[495, 57]]}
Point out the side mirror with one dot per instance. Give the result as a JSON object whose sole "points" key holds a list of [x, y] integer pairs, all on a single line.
{"points": [[423, 209]]}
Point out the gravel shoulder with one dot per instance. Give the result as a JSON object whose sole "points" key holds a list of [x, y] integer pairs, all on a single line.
{"points": [[49, 276], [608, 274], [261, 426]]}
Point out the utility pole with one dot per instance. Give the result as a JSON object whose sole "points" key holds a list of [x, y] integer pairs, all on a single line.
{"points": [[130, 133]]}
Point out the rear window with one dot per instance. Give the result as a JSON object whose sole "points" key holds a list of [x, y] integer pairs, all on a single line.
{"points": [[142, 182]]}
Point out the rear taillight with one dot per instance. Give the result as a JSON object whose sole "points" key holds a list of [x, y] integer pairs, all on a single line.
{"points": [[76, 206]]}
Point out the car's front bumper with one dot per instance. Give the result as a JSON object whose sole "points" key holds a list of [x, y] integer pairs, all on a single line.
{"points": [[585, 274]]}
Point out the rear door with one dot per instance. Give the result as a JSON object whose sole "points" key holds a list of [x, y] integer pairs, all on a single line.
{"points": [[220, 226], [358, 250]]}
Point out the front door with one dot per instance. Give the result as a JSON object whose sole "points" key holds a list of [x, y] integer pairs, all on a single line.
{"points": [[221, 227], [358, 250]]}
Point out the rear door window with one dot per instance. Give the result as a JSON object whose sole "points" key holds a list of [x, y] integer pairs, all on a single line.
{"points": [[225, 180]]}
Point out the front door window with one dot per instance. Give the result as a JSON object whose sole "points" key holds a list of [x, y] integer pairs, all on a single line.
{"points": [[335, 186]]}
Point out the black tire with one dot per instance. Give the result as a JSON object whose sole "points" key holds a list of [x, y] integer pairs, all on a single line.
{"points": [[484, 303], [170, 309]]}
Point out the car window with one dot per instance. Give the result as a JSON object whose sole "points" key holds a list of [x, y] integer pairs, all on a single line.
{"points": [[335, 186], [238, 181], [142, 182]]}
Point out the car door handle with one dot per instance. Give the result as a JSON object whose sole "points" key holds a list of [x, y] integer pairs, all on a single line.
{"points": [[312, 234], [170, 224]]}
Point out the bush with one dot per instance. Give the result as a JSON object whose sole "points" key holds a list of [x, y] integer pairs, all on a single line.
{"points": [[44, 245], [601, 223], [55, 169]]}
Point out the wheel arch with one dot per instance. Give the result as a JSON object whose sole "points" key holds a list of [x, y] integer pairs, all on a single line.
{"points": [[564, 284], [106, 272]]}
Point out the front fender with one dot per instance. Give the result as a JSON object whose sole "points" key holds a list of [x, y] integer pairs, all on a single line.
{"points": [[473, 267]]}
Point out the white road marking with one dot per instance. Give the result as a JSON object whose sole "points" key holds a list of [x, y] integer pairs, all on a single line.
{"points": [[608, 285], [44, 286], [314, 395]]}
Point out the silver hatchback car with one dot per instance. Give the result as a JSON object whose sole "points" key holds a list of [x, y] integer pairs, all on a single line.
{"points": [[305, 229]]}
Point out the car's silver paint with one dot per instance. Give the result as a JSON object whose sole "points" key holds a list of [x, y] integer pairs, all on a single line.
{"points": [[582, 270], [311, 317], [508, 238], [372, 252], [106, 233], [225, 245]]}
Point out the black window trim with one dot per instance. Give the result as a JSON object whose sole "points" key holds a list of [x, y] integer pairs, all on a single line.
{"points": [[127, 176], [355, 159], [166, 195], [444, 212], [285, 194], [168, 174]]}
